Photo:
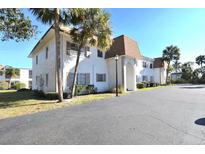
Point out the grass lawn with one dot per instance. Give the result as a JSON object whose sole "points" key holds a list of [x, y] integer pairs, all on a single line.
{"points": [[14, 103]]}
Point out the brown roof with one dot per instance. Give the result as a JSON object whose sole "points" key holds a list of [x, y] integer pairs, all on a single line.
{"points": [[158, 62], [123, 45]]}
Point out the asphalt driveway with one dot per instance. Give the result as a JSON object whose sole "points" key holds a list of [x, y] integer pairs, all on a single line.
{"points": [[169, 115]]}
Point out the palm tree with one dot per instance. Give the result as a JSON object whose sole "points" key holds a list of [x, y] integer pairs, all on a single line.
{"points": [[169, 54], [177, 66], [200, 60], [54, 17], [11, 72], [90, 27]]}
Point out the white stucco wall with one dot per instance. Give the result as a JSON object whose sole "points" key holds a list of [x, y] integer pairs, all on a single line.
{"points": [[92, 65], [140, 70], [45, 66]]}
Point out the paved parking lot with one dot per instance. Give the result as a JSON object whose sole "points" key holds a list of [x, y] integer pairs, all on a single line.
{"points": [[168, 115]]}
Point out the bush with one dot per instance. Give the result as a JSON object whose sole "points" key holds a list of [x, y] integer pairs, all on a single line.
{"points": [[49, 95], [54, 95], [20, 86], [23, 90], [146, 84], [4, 85], [153, 84], [39, 93], [85, 89], [140, 85]]}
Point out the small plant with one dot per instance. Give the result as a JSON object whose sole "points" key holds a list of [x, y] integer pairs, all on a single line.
{"points": [[140, 85]]}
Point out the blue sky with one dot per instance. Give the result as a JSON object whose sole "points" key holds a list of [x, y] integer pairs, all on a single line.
{"points": [[153, 29]]}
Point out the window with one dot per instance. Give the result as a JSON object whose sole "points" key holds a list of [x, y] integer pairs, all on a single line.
{"points": [[30, 74], [144, 78], [46, 52], [46, 80], [144, 64], [100, 54], [151, 65], [100, 77], [74, 46], [82, 79], [36, 60], [151, 79], [30, 84]]}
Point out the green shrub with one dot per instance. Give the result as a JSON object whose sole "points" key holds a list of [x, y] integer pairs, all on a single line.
{"points": [[146, 84], [39, 93], [20, 85], [85, 89], [23, 90], [4, 85], [54, 95], [140, 85], [153, 84]]}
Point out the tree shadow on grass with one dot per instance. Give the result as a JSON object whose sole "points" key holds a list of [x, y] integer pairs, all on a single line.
{"points": [[200, 121], [17, 99]]}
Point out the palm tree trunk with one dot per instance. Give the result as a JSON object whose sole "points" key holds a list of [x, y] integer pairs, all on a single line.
{"points": [[167, 73], [58, 62], [75, 73]]}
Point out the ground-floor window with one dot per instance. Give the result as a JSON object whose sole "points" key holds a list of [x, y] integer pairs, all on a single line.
{"points": [[30, 84], [151, 78], [82, 79], [101, 77], [144, 78]]}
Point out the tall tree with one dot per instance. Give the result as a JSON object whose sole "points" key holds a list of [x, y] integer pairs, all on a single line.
{"points": [[90, 27], [14, 25], [177, 66], [169, 54], [200, 60], [55, 17], [187, 71], [11, 73]]}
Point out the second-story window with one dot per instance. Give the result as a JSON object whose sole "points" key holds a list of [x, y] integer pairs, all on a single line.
{"points": [[74, 46], [100, 53], [144, 64], [68, 47], [36, 60], [30, 74], [151, 65], [46, 52]]}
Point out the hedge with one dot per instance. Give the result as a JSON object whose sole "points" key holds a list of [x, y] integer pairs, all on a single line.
{"points": [[85, 89], [20, 86], [4, 85]]}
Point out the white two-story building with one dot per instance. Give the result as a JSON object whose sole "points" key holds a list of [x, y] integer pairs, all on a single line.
{"points": [[25, 76], [95, 68]]}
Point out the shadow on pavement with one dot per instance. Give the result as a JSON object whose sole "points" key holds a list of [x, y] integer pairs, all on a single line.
{"points": [[200, 121], [191, 87]]}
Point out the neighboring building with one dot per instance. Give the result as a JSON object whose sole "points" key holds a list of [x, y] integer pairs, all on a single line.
{"points": [[95, 67], [176, 76], [24, 77]]}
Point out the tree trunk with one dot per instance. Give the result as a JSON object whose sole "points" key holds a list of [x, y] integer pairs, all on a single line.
{"points": [[75, 73], [58, 62], [167, 73]]}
